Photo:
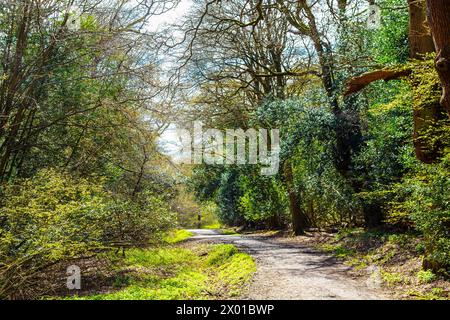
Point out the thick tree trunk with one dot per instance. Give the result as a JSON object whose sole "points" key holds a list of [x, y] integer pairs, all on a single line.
{"points": [[439, 20], [420, 40], [425, 116], [299, 219], [373, 214], [426, 119]]}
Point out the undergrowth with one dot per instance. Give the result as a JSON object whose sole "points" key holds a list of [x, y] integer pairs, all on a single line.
{"points": [[202, 272], [397, 257]]}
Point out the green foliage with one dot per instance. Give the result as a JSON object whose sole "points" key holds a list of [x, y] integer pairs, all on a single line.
{"points": [[228, 198], [236, 272], [214, 226], [179, 274], [185, 286], [136, 221], [45, 219], [204, 182], [228, 231], [209, 211], [221, 254], [183, 280], [308, 140], [390, 42], [78, 108], [433, 131], [84, 106], [426, 276], [337, 250], [391, 278], [220, 186], [177, 236], [55, 216], [308, 126], [52, 214], [423, 199], [264, 199], [388, 147], [426, 81], [433, 294], [176, 258]]}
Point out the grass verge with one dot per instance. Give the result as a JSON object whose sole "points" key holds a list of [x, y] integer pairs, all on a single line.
{"points": [[212, 226], [177, 236], [171, 273], [222, 229], [228, 232]]}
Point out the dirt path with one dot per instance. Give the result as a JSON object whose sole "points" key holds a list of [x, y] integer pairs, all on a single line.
{"points": [[287, 272]]}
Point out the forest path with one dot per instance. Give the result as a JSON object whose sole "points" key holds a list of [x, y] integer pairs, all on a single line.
{"points": [[294, 272]]}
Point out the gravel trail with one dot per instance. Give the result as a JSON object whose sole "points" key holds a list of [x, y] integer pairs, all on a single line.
{"points": [[294, 272]]}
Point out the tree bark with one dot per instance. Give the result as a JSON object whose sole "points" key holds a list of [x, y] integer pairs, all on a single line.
{"points": [[425, 116], [356, 84], [420, 40], [439, 19], [299, 219]]}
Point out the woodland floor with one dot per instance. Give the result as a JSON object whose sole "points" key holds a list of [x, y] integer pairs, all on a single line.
{"points": [[292, 271]]}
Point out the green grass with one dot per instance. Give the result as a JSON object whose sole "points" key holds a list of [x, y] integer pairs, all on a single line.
{"points": [[392, 278], [433, 294], [224, 230], [338, 250], [162, 257], [189, 285], [177, 236], [426, 276], [212, 226], [204, 272], [235, 272], [220, 254], [229, 232]]}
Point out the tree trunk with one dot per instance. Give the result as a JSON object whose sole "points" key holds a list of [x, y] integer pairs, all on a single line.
{"points": [[439, 20], [425, 116], [299, 219], [420, 40], [199, 221]]}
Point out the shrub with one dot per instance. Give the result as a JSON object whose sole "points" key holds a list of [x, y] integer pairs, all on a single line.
{"points": [[44, 220], [135, 222], [424, 198], [264, 200], [426, 276], [54, 217]]}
